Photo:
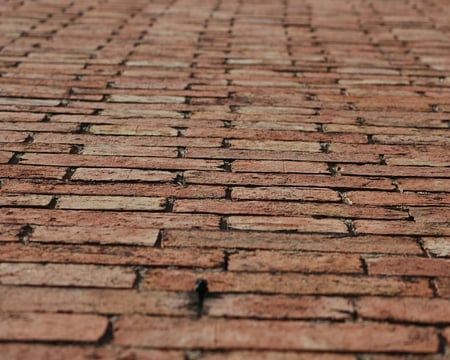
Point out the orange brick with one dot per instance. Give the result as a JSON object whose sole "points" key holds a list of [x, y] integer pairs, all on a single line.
{"points": [[112, 255], [409, 266], [269, 261], [66, 275], [288, 283], [55, 352], [404, 309], [51, 327], [293, 242], [279, 307], [290, 335]]}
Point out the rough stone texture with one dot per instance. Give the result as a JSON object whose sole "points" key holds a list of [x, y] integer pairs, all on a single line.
{"points": [[293, 154]]}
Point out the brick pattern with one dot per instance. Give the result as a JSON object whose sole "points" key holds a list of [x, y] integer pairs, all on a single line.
{"points": [[295, 154]]}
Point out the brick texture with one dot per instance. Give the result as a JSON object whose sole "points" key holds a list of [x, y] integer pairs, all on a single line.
{"points": [[294, 155]]}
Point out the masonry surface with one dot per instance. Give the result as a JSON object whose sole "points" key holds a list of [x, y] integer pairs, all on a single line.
{"points": [[294, 154]]}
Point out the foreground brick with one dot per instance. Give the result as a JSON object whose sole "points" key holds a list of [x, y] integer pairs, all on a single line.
{"points": [[236, 334], [405, 309], [409, 266], [288, 283], [66, 275], [52, 327], [97, 301]]}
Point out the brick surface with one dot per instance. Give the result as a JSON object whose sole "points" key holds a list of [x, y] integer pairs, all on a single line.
{"points": [[293, 154]]}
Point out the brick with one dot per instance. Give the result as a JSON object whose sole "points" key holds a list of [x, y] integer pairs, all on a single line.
{"points": [[111, 255], [409, 266], [132, 130], [265, 355], [279, 307], [439, 247], [327, 181], [430, 214], [55, 352], [293, 242], [21, 116], [93, 234], [10, 232], [446, 334], [32, 172], [111, 203], [285, 193], [235, 334], [275, 145], [287, 283], [431, 185], [113, 174], [401, 228], [272, 223], [5, 156], [443, 287], [404, 309], [106, 218], [66, 275], [97, 301], [125, 150], [13, 136], [392, 170], [269, 261], [271, 208], [148, 99], [75, 160], [25, 200], [279, 166], [397, 199], [52, 327]]}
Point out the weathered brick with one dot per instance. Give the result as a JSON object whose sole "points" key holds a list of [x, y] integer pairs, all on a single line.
{"points": [[5, 156], [285, 193], [288, 283], [55, 352], [298, 242], [10, 232], [131, 130], [113, 174], [279, 307], [266, 355], [25, 200], [289, 335], [51, 327], [126, 150], [110, 255], [397, 199], [443, 287], [32, 172], [430, 214], [111, 203], [401, 228], [409, 266], [269, 261], [93, 234], [427, 184], [279, 167], [404, 309], [272, 223], [97, 301], [327, 181], [66, 275], [438, 246]]}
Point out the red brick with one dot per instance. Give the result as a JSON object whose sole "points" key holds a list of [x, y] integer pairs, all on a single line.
{"points": [[397, 199], [5, 156], [272, 223], [125, 189], [289, 335], [205, 177], [113, 174], [276, 145], [120, 162], [409, 266], [269, 261], [430, 214], [439, 247], [126, 129], [92, 234], [111, 203], [443, 287], [446, 334], [288, 283], [10, 232], [25, 200], [293, 242], [404, 309], [106, 218], [279, 167], [279, 307], [412, 139], [51, 327], [401, 228], [32, 172], [112, 255], [66, 275], [57, 352], [97, 301], [273, 355], [21, 116], [425, 184], [392, 170], [125, 150], [285, 193], [13, 136]]}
